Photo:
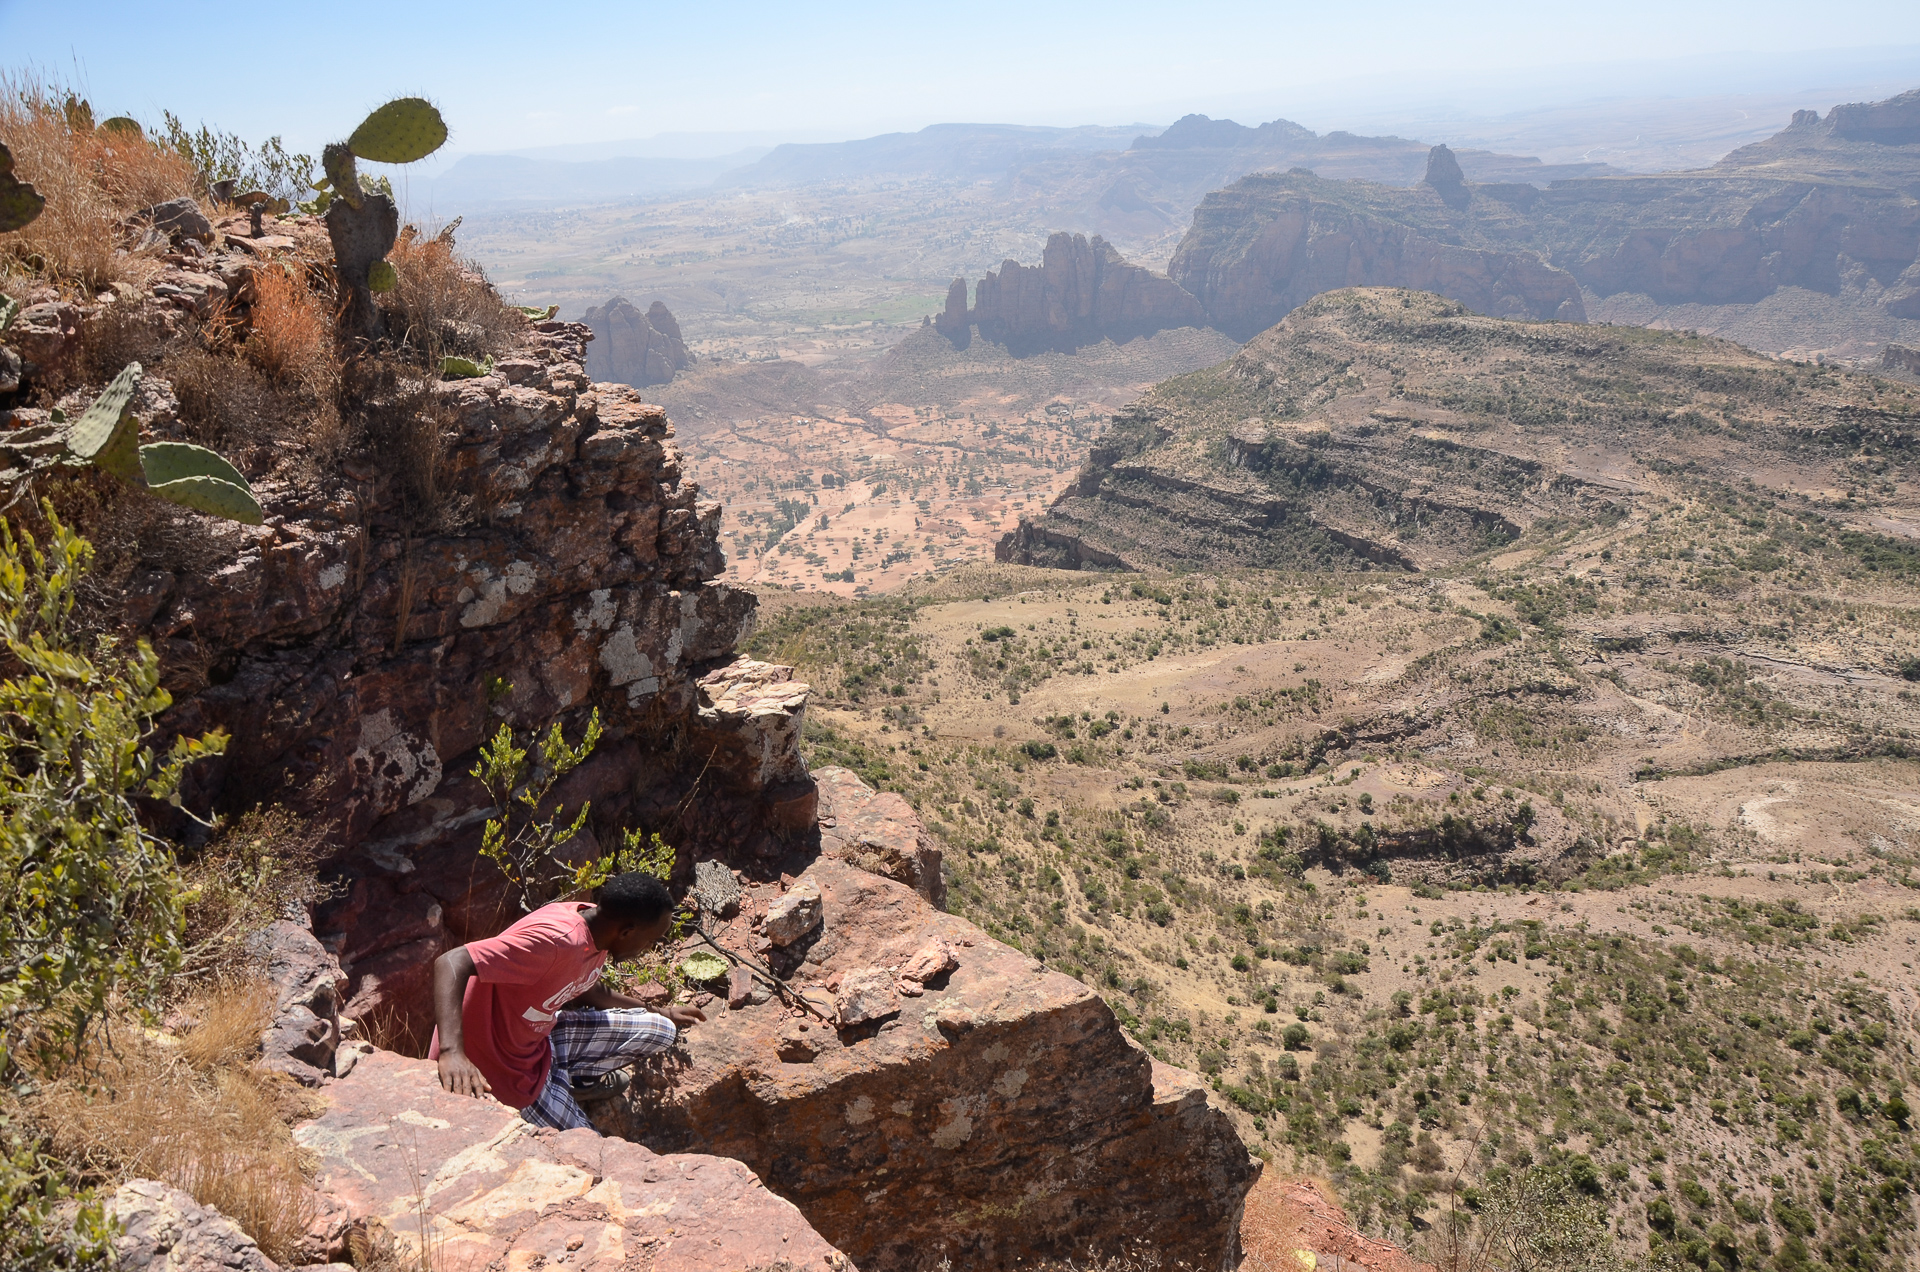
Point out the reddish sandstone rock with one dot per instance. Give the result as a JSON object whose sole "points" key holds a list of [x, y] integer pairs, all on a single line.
{"points": [[490, 1191], [877, 831], [1288, 1218], [1001, 1116]]}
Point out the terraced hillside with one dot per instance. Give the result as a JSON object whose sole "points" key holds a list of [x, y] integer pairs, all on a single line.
{"points": [[1380, 428]]}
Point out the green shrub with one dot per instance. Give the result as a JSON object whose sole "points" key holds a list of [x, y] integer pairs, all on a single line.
{"points": [[90, 901], [90, 904]]}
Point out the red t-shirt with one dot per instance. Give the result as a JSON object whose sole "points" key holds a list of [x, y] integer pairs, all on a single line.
{"points": [[521, 978]]}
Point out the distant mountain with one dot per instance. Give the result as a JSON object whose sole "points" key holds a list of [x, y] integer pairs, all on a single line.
{"points": [[484, 181], [1828, 208], [944, 151]]}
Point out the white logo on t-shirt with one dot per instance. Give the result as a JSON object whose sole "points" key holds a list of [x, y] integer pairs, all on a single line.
{"points": [[555, 1000]]}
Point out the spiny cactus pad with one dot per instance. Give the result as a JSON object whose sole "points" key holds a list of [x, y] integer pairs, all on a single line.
{"points": [[19, 202], [212, 496], [403, 131], [459, 368], [122, 128], [164, 462], [382, 277], [106, 434]]}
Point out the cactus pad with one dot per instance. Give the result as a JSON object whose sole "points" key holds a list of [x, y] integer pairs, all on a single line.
{"points": [[382, 277], [403, 131], [212, 496], [459, 368], [9, 307], [164, 462], [19, 202], [122, 128], [106, 434]]}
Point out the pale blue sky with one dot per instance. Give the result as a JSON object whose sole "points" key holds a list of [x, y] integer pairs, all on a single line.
{"points": [[519, 75]]}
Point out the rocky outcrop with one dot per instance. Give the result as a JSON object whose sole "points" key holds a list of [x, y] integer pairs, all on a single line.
{"points": [[633, 348], [411, 1164], [1358, 434], [878, 831], [164, 1230], [959, 1100], [1273, 241], [1082, 292], [364, 660], [1830, 206]]}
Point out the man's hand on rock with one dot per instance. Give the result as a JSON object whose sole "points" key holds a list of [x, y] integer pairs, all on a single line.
{"points": [[683, 1016], [461, 1076]]}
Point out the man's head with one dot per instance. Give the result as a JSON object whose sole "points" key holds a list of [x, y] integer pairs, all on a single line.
{"points": [[635, 911]]}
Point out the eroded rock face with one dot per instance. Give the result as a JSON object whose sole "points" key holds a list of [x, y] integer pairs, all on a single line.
{"points": [[1081, 292], [497, 1192], [633, 348], [998, 1115], [1272, 241], [364, 661]]}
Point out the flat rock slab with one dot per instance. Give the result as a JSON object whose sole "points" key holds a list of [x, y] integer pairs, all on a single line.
{"points": [[1001, 1115], [487, 1190]]}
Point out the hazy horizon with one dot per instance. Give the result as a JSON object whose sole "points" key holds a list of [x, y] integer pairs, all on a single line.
{"points": [[769, 75]]}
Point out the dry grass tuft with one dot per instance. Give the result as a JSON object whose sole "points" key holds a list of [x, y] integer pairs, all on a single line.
{"points": [[292, 329], [258, 868], [443, 304], [91, 184], [190, 1112]]}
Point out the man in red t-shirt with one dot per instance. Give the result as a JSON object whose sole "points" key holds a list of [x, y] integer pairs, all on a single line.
{"points": [[504, 1027]]}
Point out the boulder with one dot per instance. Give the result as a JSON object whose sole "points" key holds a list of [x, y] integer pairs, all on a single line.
{"points": [[794, 915], [716, 890], [877, 831], [486, 1189], [165, 1230], [178, 219], [308, 989], [1002, 1116]]}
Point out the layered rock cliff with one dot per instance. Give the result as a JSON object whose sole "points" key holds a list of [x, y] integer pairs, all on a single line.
{"points": [[1082, 292], [1272, 241], [1829, 206], [633, 348], [1383, 428], [359, 647], [361, 660]]}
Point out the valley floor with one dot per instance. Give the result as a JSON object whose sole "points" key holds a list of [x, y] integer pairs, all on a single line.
{"points": [[1432, 883]]}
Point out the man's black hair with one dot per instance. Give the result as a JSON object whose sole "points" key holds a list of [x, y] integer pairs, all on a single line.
{"points": [[635, 897]]}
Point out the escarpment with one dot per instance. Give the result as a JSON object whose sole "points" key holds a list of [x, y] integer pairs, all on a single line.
{"points": [[359, 660], [1829, 206], [1389, 429], [360, 647]]}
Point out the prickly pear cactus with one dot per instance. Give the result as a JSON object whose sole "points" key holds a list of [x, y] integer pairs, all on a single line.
{"points": [[212, 496], [121, 128], [20, 203], [405, 130], [195, 477], [163, 462], [382, 278], [106, 435]]}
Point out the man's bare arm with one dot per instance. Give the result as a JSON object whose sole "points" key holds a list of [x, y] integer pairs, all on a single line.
{"points": [[451, 972], [600, 998]]}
